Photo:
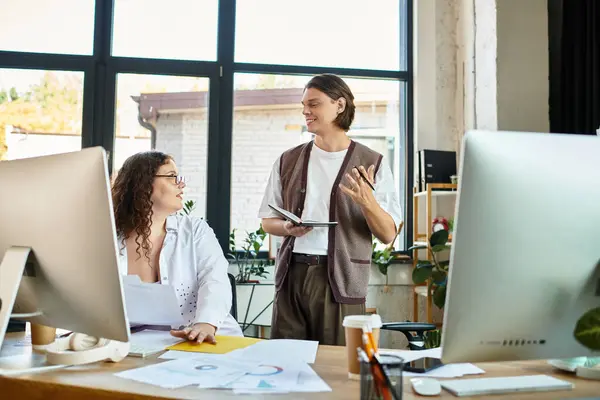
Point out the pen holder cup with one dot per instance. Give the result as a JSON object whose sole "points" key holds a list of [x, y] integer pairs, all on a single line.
{"points": [[392, 366]]}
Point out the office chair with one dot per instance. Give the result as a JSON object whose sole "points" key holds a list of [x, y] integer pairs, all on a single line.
{"points": [[233, 310], [414, 332]]}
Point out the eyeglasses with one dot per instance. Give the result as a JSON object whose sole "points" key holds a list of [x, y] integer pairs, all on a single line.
{"points": [[179, 179]]}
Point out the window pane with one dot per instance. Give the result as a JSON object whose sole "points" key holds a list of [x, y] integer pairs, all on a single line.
{"points": [[172, 113], [178, 29], [268, 120], [40, 112], [37, 26], [333, 33]]}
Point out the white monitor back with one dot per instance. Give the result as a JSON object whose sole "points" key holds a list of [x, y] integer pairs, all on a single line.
{"points": [[60, 206], [526, 247]]}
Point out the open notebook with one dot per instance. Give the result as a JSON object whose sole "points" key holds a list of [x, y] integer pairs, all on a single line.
{"points": [[297, 221]]}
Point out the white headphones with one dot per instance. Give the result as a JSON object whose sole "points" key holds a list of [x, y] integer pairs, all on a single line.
{"points": [[84, 349]]}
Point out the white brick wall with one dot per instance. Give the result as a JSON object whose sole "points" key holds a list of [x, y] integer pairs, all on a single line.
{"points": [[185, 137]]}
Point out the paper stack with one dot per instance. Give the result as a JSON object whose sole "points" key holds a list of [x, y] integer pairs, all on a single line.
{"points": [[270, 366]]}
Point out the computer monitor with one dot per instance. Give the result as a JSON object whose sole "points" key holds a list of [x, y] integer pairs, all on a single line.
{"points": [[525, 251], [60, 207]]}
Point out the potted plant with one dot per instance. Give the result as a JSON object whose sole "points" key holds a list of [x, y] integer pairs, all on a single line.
{"points": [[434, 273], [247, 259], [188, 207], [381, 258]]}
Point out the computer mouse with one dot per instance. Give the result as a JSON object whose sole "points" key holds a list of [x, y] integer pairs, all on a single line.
{"points": [[426, 386]]}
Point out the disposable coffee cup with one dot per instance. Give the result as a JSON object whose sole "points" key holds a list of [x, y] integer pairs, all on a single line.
{"points": [[42, 336], [353, 327]]}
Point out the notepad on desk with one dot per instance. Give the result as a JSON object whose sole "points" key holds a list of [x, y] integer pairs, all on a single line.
{"points": [[224, 345], [149, 342], [297, 221]]}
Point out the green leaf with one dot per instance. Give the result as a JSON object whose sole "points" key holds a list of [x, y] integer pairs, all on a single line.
{"points": [[439, 247], [439, 296], [421, 274], [424, 264], [383, 268], [438, 276], [439, 237], [587, 329], [417, 247]]}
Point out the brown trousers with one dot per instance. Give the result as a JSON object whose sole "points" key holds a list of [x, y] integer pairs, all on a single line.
{"points": [[305, 309]]}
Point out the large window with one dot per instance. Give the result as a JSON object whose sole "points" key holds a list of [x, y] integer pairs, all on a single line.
{"points": [[39, 26], [215, 83], [179, 29], [40, 112], [170, 114], [332, 33]]}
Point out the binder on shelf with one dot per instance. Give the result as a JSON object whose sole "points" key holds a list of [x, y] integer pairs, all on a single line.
{"points": [[435, 166]]}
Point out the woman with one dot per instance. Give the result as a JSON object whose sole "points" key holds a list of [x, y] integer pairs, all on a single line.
{"points": [[322, 273], [164, 247]]}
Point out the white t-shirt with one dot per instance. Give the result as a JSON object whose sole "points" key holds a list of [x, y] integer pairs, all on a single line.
{"points": [[323, 168]]}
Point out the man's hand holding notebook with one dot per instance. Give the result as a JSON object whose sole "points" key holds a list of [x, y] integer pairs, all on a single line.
{"points": [[297, 221]]}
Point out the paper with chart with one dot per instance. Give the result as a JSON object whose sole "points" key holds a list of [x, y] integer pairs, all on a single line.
{"points": [[269, 366], [306, 380], [198, 371], [150, 303]]}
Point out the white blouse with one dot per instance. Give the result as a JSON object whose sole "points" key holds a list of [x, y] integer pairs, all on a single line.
{"points": [[191, 260]]}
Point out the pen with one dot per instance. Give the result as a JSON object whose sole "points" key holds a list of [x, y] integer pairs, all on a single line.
{"points": [[376, 370], [386, 379], [364, 177]]}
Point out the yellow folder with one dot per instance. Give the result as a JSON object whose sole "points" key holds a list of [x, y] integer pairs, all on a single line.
{"points": [[225, 344]]}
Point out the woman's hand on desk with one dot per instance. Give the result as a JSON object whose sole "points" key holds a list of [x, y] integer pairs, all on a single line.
{"points": [[200, 332], [293, 230], [359, 190]]}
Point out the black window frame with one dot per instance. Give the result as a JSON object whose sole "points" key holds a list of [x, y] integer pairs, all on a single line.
{"points": [[99, 92]]}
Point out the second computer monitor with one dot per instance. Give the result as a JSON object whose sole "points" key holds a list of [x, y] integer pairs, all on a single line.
{"points": [[525, 252]]}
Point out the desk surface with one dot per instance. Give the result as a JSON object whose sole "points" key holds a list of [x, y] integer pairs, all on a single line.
{"points": [[97, 381]]}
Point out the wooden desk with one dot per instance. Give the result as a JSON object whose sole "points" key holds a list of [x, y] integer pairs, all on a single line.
{"points": [[97, 381]]}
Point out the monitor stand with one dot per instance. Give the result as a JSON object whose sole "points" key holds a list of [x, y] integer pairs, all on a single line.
{"points": [[17, 260]]}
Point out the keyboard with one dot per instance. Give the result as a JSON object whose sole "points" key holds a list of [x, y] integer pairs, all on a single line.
{"points": [[529, 383]]}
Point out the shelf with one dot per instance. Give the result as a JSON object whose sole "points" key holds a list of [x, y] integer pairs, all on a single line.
{"points": [[419, 243], [436, 190], [421, 290], [432, 190], [422, 237], [437, 193]]}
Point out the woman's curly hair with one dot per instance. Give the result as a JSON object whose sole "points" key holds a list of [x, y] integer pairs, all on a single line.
{"points": [[131, 195]]}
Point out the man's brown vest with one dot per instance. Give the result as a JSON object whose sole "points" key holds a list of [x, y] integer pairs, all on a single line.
{"points": [[350, 242]]}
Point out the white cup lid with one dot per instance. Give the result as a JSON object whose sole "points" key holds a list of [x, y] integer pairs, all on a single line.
{"points": [[358, 321]]}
